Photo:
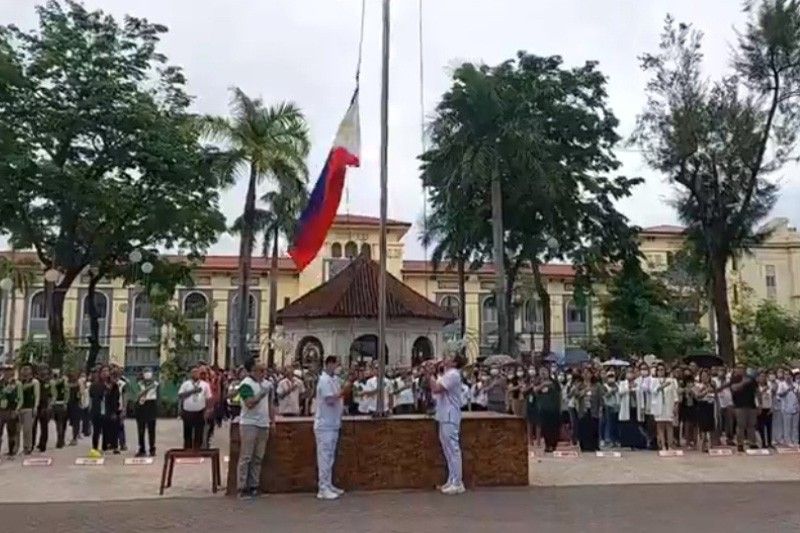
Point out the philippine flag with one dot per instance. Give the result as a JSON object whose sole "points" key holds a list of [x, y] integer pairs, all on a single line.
{"points": [[323, 203]]}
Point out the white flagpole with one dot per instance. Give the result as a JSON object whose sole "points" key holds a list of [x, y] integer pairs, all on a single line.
{"points": [[384, 179]]}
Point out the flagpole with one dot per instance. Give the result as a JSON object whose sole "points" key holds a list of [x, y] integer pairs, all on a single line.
{"points": [[384, 180]]}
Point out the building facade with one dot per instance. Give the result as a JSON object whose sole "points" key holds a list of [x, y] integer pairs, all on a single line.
{"points": [[129, 336]]}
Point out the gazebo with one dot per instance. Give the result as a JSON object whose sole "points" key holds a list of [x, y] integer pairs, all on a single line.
{"points": [[340, 317]]}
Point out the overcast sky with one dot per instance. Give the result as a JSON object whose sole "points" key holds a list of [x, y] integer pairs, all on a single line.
{"points": [[305, 51]]}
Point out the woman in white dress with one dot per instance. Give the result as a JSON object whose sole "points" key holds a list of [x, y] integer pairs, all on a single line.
{"points": [[663, 405]]}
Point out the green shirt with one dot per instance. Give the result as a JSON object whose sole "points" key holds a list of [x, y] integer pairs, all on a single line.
{"points": [[10, 395]]}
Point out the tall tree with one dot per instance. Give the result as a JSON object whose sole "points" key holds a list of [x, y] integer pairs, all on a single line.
{"points": [[546, 131], [266, 143], [278, 221], [719, 142], [100, 154], [20, 275]]}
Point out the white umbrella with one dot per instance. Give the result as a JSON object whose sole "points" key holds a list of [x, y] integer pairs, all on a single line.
{"points": [[499, 360], [616, 362]]}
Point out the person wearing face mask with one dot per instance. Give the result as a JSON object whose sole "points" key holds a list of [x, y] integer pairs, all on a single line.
{"points": [[515, 391], [480, 401], [496, 391], [531, 407], [764, 406], [704, 395], [447, 391], [788, 393], [327, 423], [773, 379], [664, 401], [644, 394], [631, 413], [548, 404], [146, 411], [611, 411]]}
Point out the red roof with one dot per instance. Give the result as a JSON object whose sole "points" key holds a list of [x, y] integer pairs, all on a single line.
{"points": [[353, 293], [551, 269], [231, 262], [665, 229], [363, 220]]}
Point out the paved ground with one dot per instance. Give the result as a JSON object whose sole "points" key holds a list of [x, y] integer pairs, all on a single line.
{"points": [[620, 509], [65, 482]]}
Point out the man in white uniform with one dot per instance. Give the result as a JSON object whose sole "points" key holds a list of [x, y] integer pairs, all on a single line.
{"points": [[290, 388], [446, 390], [327, 422]]}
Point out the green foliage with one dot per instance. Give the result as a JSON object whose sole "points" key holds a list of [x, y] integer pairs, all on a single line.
{"points": [[642, 318], [769, 335], [719, 141], [99, 154], [40, 353], [179, 343]]}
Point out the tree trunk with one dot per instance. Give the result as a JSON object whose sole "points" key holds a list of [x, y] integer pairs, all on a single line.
{"points": [[55, 323], [503, 345], [273, 298], [511, 322], [94, 323], [462, 300], [544, 300], [245, 259], [722, 309]]}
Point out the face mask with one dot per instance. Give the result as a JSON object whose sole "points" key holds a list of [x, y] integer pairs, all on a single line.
{"points": [[520, 374], [771, 378], [494, 372], [531, 372], [148, 375], [645, 373], [484, 379]]}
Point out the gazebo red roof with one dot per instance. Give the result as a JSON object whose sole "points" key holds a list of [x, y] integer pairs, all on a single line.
{"points": [[353, 293]]}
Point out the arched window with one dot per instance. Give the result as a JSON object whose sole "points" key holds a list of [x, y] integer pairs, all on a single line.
{"points": [[310, 353], [365, 350], [145, 330], [233, 326], [195, 309], [350, 250], [576, 319], [533, 316], [451, 303], [421, 350], [366, 250], [37, 316], [336, 250], [489, 313], [101, 306]]}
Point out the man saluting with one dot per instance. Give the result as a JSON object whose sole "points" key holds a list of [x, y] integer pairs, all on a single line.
{"points": [[327, 422], [447, 392]]}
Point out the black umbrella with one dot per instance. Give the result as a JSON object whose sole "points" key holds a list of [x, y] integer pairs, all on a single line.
{"points": [[704, 360]]}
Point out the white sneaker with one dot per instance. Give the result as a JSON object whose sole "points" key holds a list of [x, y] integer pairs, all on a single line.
{"points": [[454, 489], [336, 490], [327, 494], [444, 488]]}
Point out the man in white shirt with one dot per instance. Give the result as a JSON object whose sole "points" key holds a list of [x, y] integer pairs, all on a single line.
{"points": [[327, 423], [194, 395], [403, 395], [289, 390], [255, 419], [446, 390], [369, 394]]}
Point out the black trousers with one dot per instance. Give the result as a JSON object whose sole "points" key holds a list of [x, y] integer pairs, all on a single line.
{"points": [[106, 427], [146, 422], [550, 423], [41, 426], [764, 424], [74, 414], [193, 424], [60, 418]]}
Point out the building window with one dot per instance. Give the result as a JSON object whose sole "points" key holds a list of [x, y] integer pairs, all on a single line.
{"points": [[671, 258], [101, 305], [772, 285], [286, 301], [233, 327], [144, 329], [533, 316], [366, 250], [37, 316], [350, 250], [336, 250], [452, 304], [489, 310], [576, 319], [195, 309]]}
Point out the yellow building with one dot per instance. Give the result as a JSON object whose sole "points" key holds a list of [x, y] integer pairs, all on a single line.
{"points": [[129, 337]]}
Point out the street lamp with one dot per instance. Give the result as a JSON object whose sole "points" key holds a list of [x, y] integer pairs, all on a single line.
{"points": [[147, 267], [52, 275], [6, 284]]}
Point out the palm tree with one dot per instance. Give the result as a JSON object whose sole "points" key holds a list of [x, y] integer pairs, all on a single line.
{"points": [[21, 275], [280, 220], [271, 143]]}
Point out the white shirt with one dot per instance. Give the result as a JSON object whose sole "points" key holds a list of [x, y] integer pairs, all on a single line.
{"points": [[258, 415], [328, 417], [479, 394], [369, 404], [289, 404], [197, 401], [448, 402], [724, 396], [152, 391], [405, 396]]}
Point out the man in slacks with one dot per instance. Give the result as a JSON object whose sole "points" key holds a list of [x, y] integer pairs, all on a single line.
{"points": [[254, 421], [447, 391], [327, 423]]}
